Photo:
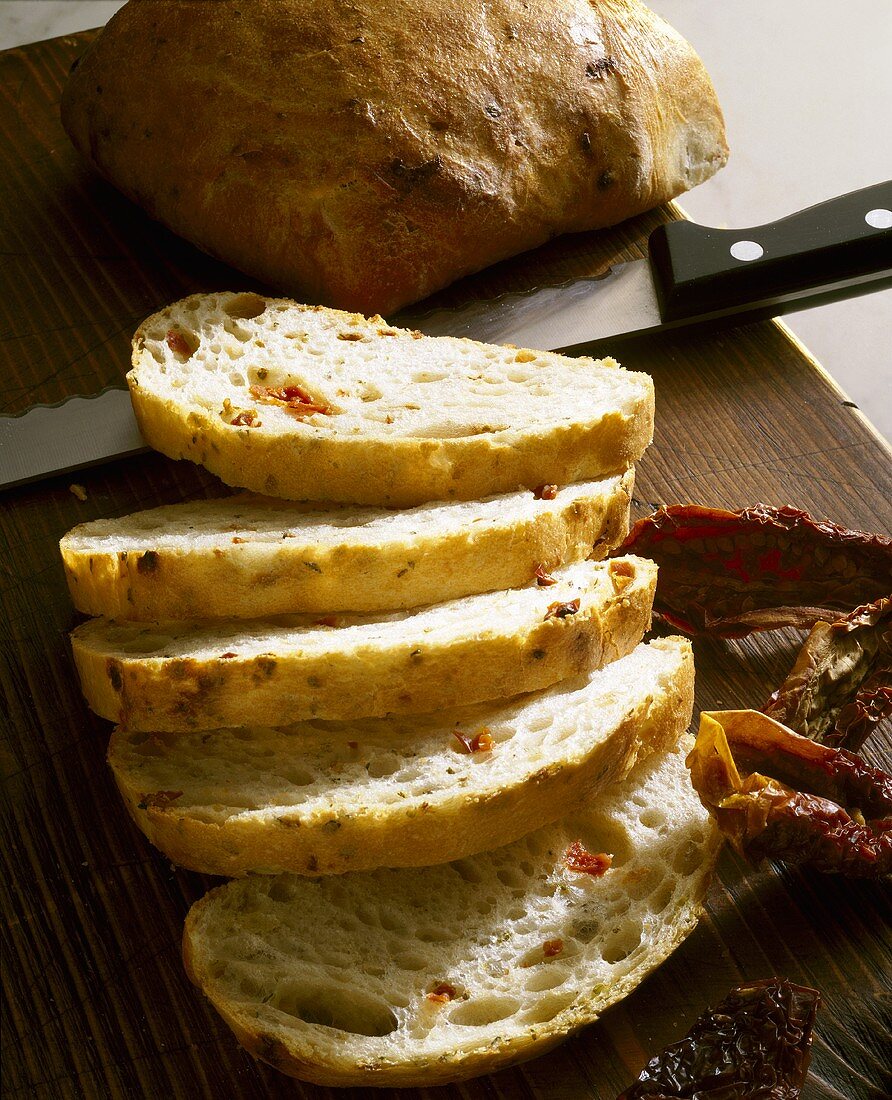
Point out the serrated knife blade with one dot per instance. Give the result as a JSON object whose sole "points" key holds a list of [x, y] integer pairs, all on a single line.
{"points": [[694, 276], [621, 302], [68, 436]]}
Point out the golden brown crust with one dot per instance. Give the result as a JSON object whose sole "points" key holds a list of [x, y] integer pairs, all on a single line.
{"points": [[254, 580], [366, 155], [185, 693], [389, 471]]}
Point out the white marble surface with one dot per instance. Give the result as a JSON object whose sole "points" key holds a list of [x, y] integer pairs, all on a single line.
{"points": [[806, 86]]}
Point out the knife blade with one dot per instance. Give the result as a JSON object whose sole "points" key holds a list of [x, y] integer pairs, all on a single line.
{"points": [[71, 435], [693, 276]]}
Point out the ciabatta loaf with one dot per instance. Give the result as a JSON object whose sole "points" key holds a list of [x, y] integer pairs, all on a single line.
{"points": [[365, 154], [237, 672], [329, 797], [249, 556], [313, 404], [419, 977]]}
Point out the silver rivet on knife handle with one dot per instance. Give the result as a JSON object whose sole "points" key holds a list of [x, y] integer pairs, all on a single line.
{"points": [[56, 439]]}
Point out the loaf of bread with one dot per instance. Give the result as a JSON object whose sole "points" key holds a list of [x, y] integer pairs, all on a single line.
{"points": [[249, 556], [362, 155], [424, 976], [330, 797], [314, 404], [236, 672]]}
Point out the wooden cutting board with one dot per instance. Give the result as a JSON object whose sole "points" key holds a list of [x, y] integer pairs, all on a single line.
{"points": [[95, 1000]]}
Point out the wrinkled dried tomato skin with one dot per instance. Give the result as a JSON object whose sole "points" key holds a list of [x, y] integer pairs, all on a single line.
{"points": [[840, 819], [732, 573], [755, 1044], [835, 774], [858, 719], [840, 687], [771, 821]]}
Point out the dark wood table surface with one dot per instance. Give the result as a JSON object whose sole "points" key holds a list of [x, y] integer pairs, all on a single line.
{"points": [[95, 1001]]}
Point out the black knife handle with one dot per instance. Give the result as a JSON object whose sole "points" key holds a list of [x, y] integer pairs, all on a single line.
{"points": [[699, 271]]}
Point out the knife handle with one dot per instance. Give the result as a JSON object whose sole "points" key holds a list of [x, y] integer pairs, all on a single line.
{"points": [[699, 270]]}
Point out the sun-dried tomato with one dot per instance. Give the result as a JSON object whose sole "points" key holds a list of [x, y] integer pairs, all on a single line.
{"points": [[551, 948], [178, 343], [543, 579], [545, 492], [776, 794], [441, 993], [755, 1044], [245, 420], [577, 858], [735, 572], [622, 573], [294, 398], [840, 687], [482, 741], [561, 610]]}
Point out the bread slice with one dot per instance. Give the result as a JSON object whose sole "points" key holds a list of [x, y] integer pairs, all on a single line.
{"points": [[369, 414], [324, 798], [239, 672], [425, 976], [248, 556]]}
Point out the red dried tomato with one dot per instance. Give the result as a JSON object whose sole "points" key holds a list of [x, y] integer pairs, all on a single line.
{"points": [[480, 742], [577, 858], [732, 573]]}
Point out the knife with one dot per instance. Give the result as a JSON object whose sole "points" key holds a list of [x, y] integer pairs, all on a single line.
{"points": [[693, 276]]}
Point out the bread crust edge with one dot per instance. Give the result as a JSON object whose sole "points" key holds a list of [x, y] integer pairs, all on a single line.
{"points": [[413, 837], [259, 579], [184, 693]]}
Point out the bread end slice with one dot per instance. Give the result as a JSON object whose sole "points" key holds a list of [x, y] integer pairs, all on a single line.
{"points": [[429, 976]]}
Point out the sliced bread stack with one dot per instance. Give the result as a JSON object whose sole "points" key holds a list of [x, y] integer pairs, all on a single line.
{"points": [[395, 726]]}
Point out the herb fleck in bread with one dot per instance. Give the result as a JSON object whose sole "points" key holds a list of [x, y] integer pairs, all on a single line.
{"points": [[314, 404], [235, 672], [423, 976], [324, 798], [250, 556]]}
